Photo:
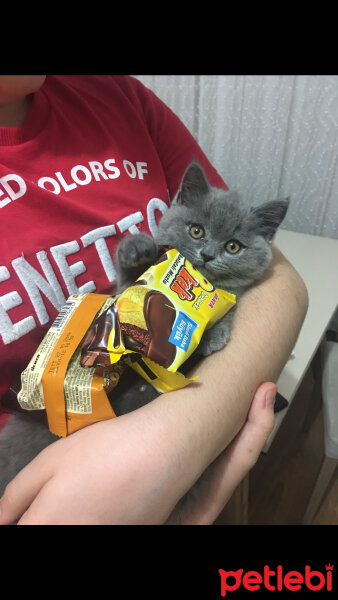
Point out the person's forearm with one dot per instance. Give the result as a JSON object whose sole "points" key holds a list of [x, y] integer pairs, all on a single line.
{"points": [[265, 328], [135, 468]]}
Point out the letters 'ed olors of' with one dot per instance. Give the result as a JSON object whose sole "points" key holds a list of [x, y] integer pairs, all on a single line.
{"points": [[152, 327]]}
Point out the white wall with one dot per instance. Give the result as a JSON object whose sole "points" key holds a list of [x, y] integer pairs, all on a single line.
{"points": [[268, 136]]}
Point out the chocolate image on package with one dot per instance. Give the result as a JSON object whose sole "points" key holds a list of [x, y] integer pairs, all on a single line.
{"points": [[152, 327], [141, 322], [94, 347]]}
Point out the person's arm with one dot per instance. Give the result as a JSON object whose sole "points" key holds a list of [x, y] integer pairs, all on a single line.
{"points": [[265, 329], [207, 498], [135, 468]]}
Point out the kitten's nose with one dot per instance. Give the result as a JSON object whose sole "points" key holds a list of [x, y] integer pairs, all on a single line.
{"points": [[206, 256]]}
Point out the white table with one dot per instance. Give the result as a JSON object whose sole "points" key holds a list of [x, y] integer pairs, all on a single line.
{"points": [[316, 260]]}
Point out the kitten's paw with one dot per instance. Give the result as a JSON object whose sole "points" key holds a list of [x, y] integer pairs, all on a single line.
{"points": [[136, 250], [214, 339]]}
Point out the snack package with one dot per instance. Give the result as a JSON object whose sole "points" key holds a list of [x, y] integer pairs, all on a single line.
{"points": [[152, 327]]}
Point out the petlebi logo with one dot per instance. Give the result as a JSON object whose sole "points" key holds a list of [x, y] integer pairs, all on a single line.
{"points": [[277, 579]]}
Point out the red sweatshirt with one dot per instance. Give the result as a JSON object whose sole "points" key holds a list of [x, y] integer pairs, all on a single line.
{"points": [[98, 157]]}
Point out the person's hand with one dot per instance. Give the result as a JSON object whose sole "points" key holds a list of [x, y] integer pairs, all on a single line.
{"points": [[129, 470], [207, 499], [120, 471]]}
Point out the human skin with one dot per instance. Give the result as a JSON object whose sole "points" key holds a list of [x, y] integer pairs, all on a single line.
{"points": [[134, 469], [16, 97]]}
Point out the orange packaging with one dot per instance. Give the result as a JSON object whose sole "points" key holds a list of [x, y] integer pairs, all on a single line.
{"points": [[152, 327], [79, 399]]}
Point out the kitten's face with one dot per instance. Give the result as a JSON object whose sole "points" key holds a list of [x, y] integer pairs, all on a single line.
{"points": [[226, 241]]}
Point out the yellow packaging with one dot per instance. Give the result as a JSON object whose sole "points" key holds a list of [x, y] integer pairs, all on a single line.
{"points": [[153, 327], [185, 304]]}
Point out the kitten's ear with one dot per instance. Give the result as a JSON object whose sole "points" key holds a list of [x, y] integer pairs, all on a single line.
{"points": [[194, 184], [269, 216]]}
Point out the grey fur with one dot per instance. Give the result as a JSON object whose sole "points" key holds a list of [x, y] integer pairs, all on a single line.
{"points": [[20, 441], [224, 217]]}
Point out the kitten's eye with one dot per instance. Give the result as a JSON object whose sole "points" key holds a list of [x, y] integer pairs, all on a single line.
{"points": [[196, 231], [233, 247]]}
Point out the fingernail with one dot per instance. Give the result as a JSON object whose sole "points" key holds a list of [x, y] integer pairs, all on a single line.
{"points": [[270, 398]]}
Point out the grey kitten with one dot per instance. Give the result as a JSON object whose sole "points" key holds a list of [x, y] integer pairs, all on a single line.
{"points": [[227, 241]]}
